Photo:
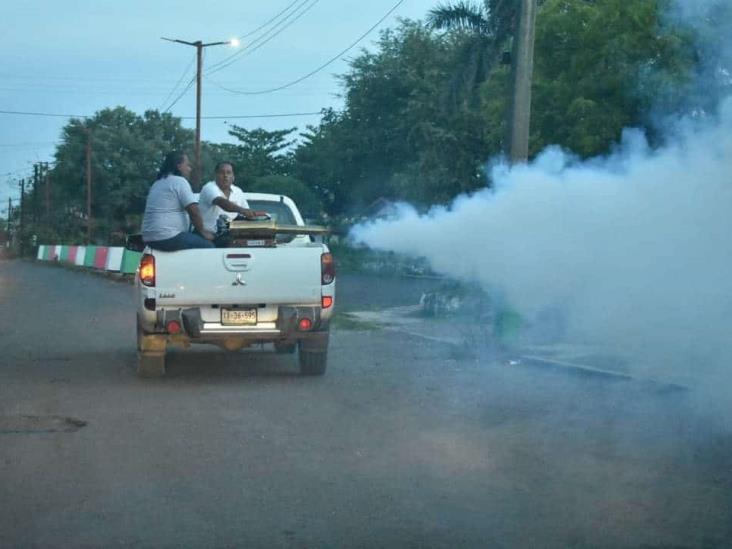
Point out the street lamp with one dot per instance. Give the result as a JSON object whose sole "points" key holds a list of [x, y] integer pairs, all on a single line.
{"points": [[199, 45]]}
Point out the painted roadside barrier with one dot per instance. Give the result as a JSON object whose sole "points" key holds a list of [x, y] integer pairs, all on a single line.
{"points": [[100, 257], [89, 256], [80, 255], [71, 256], [114, 259], [130, 261]]}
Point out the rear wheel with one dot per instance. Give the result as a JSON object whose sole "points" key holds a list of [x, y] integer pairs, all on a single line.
{"points": [[151, 364], [150, 353], [312, 363]]}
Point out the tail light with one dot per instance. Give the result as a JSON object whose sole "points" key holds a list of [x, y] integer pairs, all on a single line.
{"points": [[327, 269], [173, 327], [147, 270], [305, 324], [326, 302]]}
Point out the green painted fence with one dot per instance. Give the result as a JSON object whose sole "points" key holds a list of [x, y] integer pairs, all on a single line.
{"points": [[130, 261], [91, 252]]}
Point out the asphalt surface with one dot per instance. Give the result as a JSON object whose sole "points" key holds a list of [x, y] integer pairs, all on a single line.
{"points": [[405, 442]]}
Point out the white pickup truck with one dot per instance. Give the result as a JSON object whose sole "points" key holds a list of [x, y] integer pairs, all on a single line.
{"points": [[274, 284]]}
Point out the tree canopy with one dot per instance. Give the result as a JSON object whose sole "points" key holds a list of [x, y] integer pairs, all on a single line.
{"points": [[424, 111]]}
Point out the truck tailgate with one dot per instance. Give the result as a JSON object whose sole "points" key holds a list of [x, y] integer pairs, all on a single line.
{"points": [[283, 275]]}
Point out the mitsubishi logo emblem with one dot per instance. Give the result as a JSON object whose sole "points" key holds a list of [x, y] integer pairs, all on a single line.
{"points": [[239, 281]]}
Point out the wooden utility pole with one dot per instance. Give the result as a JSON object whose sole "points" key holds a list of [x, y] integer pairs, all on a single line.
{"points": [[20, 215], [199, 45], [47, 188], [199, 67], [522, 68], [36, 185], [88, 187], [10, 211]]}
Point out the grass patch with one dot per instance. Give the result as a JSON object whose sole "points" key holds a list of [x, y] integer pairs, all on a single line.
{"points": [[346, 321]]}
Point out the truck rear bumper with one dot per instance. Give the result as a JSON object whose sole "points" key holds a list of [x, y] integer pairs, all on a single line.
{"points": [[284, 329]]}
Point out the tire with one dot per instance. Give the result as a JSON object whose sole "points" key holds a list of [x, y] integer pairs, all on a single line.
{"points": [[139, 334], [150, 353], [312, 363], [284, 348], [151, 364]]}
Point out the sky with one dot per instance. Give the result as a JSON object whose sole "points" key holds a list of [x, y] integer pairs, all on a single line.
{"points": [[80, 56]]}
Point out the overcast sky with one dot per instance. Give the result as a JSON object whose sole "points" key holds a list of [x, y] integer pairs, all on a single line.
{"points": [[80, 56]]}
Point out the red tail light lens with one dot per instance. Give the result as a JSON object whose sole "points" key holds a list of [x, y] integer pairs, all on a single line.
{"points": [[326, 301], [147, 270], [327, 269], [173, 327], [305, 324]]}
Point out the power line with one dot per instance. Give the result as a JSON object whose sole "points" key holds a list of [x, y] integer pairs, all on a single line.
{"points": [[320, 68], [182, 76], [269, 32], [26, 113], [180, 96], [218, 117], [260, 41], [281, 115], [37, 144], [263, 25]]}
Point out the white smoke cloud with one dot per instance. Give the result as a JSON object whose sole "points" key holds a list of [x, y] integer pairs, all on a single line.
{"points": [[634, 248]]}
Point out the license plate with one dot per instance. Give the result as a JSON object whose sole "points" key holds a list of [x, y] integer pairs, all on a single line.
{"points": [[238, 317]]}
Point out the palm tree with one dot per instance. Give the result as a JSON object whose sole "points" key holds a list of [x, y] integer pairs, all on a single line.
{"points": [[487, 27]]}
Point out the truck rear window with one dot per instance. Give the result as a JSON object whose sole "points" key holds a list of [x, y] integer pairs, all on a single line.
{"points": [[278, 210]]}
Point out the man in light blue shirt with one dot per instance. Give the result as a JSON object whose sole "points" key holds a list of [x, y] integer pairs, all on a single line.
{"points": [[172, 207]]}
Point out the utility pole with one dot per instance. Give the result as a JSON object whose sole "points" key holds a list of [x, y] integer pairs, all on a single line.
{"points": [[47, 188], [36, 184], [199, 45], [10, 211], [21, 214], [88, 186], [523, 68], [199, 67]]}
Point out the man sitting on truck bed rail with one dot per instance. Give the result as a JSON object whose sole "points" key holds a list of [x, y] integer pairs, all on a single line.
{"points": [[170, 202], [222, 197]]}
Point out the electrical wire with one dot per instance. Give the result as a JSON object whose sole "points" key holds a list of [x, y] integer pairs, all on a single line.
{"points": [[217, 117], [269, 32], [268, 36], [263, 25], [280, 115], [297, 16], [26, 113], [178, 83], [180, 96], [317, 70]]}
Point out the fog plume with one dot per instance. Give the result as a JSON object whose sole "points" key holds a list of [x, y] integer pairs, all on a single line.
{"points": [[634, 249]]}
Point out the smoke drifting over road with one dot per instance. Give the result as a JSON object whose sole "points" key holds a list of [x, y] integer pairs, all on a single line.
{"points": [[633, 249]]}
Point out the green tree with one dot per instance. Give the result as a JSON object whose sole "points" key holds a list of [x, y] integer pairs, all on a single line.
{"points": [[482, 32], [126, 152], [259, 153], [602, 67]]}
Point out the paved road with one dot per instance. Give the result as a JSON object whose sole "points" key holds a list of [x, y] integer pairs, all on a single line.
{"points": [[404, 443]]}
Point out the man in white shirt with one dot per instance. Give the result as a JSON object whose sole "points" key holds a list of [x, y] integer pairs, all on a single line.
{"points": [[222, 197]]}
